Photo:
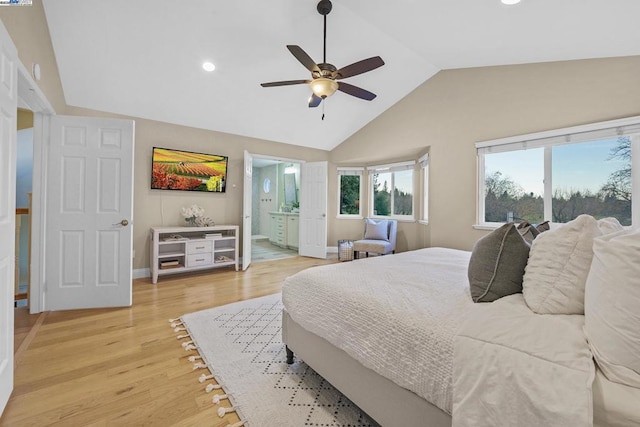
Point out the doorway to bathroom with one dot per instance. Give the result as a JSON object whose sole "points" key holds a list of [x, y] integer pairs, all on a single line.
{"points": [[275, 209]]}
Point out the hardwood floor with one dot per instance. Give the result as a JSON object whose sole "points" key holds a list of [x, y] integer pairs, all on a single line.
{"points": [[124, 366], [262, 249]]}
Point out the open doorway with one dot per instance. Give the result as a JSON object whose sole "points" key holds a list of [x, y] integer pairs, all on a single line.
{"points": [[275, 209], [24, 188]]}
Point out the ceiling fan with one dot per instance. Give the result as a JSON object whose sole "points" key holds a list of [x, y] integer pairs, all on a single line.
{"points": [[325, 76]]}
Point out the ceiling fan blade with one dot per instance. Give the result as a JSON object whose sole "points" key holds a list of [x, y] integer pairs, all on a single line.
{"points": [[356, 91], [314, 100], [285, 83], [359, 67], [304, 59]]}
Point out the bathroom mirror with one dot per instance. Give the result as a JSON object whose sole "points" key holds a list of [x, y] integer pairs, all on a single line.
{"points": [[290, 193]]}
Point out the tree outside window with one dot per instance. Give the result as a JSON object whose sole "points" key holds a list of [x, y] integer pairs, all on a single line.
{"points": [[349, 194], [587, 178], [393, 193]]}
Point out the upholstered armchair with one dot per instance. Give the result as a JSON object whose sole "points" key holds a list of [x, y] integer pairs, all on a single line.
{"points": [[379, 237]]}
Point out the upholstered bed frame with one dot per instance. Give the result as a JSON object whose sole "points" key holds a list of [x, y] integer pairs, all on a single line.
{"points": [[382, 399]]}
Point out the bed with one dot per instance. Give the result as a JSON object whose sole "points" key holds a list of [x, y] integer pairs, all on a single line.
{"points": [[385, 330]]}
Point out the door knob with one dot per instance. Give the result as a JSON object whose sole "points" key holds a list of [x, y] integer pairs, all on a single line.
{"points": [[123, 223]]}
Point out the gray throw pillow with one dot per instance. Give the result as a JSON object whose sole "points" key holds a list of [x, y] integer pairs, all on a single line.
{"points": [[544, 226], [376, 229], [528, 232], [497, 264]]}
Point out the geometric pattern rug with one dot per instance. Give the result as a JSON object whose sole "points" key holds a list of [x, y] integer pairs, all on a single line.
{"points": [[240, 347]]}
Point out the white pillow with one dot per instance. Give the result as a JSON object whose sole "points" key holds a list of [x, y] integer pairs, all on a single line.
{"points": [[376, 229], [612, 306], [558, 266], [609, 225]]}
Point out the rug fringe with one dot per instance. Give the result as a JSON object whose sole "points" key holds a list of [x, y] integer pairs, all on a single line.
{"points": [[178, 326], [188, 345], [210, 387], [205, 377], [218, 397], [222, 411]]}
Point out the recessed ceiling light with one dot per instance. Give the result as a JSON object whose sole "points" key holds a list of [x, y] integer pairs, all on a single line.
{"points": [[208, 66], [510, 2]]}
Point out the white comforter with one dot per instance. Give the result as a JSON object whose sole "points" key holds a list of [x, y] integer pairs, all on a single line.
{"points": [[513, 367], [396, 314]]}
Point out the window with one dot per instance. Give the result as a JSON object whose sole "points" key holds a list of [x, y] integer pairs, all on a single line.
{"points": [[424, 176], [592, 177], [514, 184], [558, 175], [392, 190], [349, 192]]}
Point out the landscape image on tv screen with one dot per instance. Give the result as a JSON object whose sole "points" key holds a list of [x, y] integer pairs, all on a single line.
{"points": [[185, 170]]}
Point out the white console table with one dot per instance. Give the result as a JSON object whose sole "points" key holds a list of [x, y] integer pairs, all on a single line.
{"points": [[182, 249]]}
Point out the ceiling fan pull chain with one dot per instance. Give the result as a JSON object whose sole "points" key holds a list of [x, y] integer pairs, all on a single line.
{"points": [[323, 108]]}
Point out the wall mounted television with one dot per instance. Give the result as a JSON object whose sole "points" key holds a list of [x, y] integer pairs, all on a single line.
{"points": [[186, 170]]}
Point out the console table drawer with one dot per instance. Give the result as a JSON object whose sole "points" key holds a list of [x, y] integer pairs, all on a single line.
{"points": [[197, 260], [201, 246]]}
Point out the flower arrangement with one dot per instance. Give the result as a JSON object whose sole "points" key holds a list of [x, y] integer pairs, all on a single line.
{"points": [[192, 213]]}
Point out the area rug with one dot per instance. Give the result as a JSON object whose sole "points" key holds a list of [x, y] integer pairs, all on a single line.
{"points": [[240, 347]]}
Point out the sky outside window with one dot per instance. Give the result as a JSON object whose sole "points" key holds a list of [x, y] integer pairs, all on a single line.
{"points": [[583, 166], [525, 167], [587, 178]]}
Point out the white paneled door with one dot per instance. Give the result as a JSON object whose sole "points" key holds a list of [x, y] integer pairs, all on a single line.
{"points": [[89, 213], [8, 136], [313, 210], [246, 210]]}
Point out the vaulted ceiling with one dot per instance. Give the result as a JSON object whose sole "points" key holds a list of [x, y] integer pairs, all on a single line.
{"points": [[144, 58]]}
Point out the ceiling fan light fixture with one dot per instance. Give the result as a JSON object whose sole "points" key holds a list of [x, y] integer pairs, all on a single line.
{"points": [[324, 87], [324, 75], [510, 2]]}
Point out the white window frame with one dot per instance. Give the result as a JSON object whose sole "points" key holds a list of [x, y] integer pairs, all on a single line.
{"points": [[393, 167], [548, 139], [351, 171], [424, 177]]}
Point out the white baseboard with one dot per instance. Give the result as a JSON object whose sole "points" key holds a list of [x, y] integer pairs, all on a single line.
{"points": [[140, 273]]}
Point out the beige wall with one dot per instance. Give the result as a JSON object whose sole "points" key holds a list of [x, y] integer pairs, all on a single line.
{"points": [[25, 119], [161, 207], [457, 108], [28, 29]]}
